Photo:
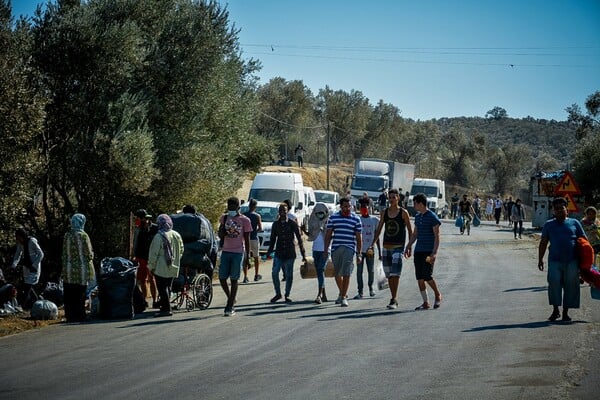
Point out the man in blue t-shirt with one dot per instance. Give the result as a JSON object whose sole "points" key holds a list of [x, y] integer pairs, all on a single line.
{"points": [[563, 268], [427, 236]]}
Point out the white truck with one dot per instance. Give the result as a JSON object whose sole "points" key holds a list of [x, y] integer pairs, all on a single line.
{"points": [[280, 186], [372, 175], [435, 190]]}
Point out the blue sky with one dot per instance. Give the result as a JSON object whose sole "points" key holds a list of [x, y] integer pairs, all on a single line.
{"points": [[431, 59]]}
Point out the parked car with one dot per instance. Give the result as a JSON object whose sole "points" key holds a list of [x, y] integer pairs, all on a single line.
{"points": [[331, 199]]}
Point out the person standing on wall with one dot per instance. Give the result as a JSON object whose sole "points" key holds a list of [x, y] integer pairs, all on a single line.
{"points": [[300, 155]]}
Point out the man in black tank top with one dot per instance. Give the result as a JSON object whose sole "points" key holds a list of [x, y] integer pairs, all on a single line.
{"points": [[397, 223]]}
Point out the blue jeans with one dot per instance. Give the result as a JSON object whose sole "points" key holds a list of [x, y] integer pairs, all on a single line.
{"points": [[563, 284], [370, 272], [288, 270], [320, 263]]}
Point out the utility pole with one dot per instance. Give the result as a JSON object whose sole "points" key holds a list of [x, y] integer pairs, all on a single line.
{"points": [[328, 134]]}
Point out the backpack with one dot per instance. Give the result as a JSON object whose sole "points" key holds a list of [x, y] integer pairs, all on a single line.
{"points": [[222, 232]]}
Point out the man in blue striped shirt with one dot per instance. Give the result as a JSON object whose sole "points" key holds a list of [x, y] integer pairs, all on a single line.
{"points": [[345, 228], [427, 236]]}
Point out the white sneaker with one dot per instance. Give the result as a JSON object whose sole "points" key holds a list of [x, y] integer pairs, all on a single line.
{"points": [[344, 302]]}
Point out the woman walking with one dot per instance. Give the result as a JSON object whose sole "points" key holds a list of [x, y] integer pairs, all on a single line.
{"points": [[166, 250]]}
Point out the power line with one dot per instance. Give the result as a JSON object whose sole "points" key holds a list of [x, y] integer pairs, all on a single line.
{"points": [[511, 64], [485, 51], [290, 125]]}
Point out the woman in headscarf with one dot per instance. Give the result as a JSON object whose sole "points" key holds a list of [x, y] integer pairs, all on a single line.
{"points": [[316, 234], [166, 250], [77, 269]]}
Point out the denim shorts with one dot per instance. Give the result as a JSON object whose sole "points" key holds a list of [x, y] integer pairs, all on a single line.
{"points": [[392, 261], [231, 265]]}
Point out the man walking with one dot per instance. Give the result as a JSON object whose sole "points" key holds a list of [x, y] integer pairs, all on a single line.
{"points": [[427, 236], [234, 229], [396, 222], [283, 232], [369, 226], [256, 222], [344, 233], [563, 269], [497, 209]]}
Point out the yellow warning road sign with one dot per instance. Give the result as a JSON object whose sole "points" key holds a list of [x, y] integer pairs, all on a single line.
{"points": [[571, 205], [567, 185]]}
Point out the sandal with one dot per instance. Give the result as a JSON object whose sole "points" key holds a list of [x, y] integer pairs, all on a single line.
{"points": [[424, 306], [437, 303]]}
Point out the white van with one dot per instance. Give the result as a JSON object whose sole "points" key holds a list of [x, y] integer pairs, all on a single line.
{"points": [[435, 190], [280, 186], [309, 200], [331, 199]]}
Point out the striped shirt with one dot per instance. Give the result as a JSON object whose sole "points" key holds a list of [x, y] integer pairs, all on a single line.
{"points": [[425, 236], [344, 230]]}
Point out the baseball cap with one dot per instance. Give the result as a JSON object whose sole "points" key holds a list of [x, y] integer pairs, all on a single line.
{"points": [[141, 213]]}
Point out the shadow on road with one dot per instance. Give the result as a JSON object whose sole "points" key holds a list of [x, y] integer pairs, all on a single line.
{"points": [[526, 325], [532, 289]]}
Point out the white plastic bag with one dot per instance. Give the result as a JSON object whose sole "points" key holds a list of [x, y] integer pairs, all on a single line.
{"points": [[382, 282]]}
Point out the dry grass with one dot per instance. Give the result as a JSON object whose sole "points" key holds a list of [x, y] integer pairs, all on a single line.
{"points": [[14, 324]]}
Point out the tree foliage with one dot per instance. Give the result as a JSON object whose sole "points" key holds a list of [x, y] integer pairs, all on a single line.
{"points": [[126, 104], [587, 155]]}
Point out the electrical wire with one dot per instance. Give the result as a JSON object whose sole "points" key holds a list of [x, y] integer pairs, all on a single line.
{"points": [[290, 125]]}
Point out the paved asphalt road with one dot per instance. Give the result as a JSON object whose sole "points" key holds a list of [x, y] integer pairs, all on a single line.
{"points": [[489, 340]]}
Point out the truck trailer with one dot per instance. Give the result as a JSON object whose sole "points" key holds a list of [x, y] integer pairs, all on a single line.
{"points": [[372, 175]]}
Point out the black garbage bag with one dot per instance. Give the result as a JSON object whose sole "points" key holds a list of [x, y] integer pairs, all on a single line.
{"points": [[198, 237], [55, 293], [116, 284]]}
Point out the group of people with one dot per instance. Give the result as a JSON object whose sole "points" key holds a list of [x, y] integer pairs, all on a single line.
{"points": [[349, 239], [76, 273]]}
